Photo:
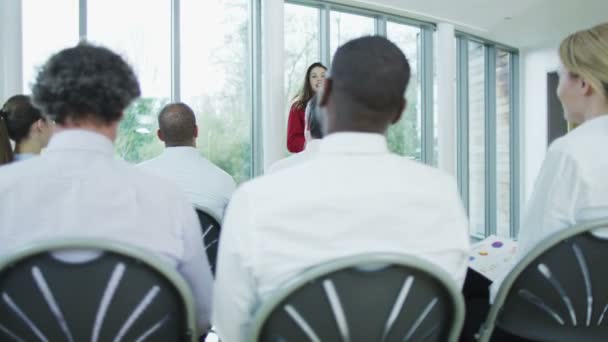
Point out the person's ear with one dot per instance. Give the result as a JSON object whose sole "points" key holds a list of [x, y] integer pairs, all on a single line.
{"points": [[401, 109], [159, 134], [195, 131], [326, 92], [586, 88]]}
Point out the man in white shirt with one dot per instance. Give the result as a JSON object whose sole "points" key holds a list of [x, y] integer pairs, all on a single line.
{"points": [[313, 134], [354, 197], [78, 189], [207, 186]]}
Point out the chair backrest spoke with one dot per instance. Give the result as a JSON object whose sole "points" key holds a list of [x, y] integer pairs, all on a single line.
{"points": [[370, 297], [121, 294], [558, 291]]}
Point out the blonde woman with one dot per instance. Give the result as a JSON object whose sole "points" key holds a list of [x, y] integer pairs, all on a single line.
{"points": [[572, 186]]}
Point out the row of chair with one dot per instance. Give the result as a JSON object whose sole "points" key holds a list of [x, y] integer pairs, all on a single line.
{"points": [[77, 290]]}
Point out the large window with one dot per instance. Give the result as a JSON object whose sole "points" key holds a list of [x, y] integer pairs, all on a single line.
{"points": [[314, 33], [302, 44], [213, 75], [405, 137], [43, 34], [216, 82], [487, 171], [477, 141], [346, 26], [503, 143], [145, 41]]}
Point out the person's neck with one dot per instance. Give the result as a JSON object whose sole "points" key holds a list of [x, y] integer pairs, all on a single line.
{"points": [[597, 108], [188, 144], [28, 146], [107, 130]]}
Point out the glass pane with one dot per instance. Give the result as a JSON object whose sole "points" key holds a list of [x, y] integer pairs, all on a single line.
{"points": [[476, 138], [44, 35], [345, 27], [216, 80], [301, 45], [405, 137], [503, 157], [145, 41]]}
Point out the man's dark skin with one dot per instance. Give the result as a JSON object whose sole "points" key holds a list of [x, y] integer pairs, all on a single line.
{"points": [[352, 103]]}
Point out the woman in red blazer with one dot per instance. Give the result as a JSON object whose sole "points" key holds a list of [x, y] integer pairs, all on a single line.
{"points": [[295, 125]]}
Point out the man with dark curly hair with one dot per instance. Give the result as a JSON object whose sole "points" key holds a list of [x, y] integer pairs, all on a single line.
{"points": [[78, 189]]}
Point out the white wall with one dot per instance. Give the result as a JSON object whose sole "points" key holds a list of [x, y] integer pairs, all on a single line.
{"points": [[535, 64]]}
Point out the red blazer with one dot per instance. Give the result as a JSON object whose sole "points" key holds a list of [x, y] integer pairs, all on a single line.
{"points": [[295, 130]]}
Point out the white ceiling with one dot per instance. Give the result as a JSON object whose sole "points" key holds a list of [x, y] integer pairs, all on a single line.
{"points": [[531, 23]]}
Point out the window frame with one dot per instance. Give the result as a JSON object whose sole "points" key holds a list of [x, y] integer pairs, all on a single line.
{"points": [[426, 60], [462, 97]]}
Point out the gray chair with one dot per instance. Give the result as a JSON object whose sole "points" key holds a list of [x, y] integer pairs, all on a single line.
{"points": [[558, 292], [92, 290], [211, 236], [370, 297]]}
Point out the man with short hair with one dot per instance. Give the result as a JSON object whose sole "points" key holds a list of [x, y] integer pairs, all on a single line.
{"points": [[313, 134], [79, 189], [355, 197], [207, 186]]}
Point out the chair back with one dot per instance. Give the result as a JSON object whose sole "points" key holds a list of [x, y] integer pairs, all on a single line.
{"points": [[211, 236], [92, 290], [370, 297], [558, 292]]}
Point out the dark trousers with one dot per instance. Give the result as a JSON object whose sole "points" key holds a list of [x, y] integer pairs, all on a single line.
{"points": [[476, 293]]}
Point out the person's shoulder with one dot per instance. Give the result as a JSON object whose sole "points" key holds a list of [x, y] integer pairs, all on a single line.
{"points": [[14, 173], [150, 163], [146, 181]]}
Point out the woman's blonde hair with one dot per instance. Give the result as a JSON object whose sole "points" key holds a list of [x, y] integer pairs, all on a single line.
{"points": [[585, 54]]}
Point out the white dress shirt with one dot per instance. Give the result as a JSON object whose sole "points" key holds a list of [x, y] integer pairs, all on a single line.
{"points": [[354, 197], [77, 189], [310, 151], [208, 187], [572, 187]]}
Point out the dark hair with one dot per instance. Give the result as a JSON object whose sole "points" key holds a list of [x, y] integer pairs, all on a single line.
{"points": [[16, 118], [177, 123], [85, 82], [313, 119], [306, 92], [372, 74]]}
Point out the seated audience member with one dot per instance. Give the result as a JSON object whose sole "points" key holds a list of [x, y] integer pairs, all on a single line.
{"points": [[313, 135], [571, 187], [354, 197], [78, 189], [207, 186], [22, 123]]}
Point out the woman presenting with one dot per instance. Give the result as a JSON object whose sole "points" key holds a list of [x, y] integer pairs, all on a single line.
{"points": [[295, 125]]}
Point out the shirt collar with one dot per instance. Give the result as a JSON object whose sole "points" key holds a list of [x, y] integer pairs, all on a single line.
{"points": [[180, 151], [354, 143], [313, 145], [597, 122], [24, 156], [80, 140]]}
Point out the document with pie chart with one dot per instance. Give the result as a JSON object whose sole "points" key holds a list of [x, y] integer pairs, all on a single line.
{"points": [[492, 256]]}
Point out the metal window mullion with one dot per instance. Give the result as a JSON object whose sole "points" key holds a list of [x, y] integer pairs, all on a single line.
{"points": [[426, 58], [514, 144], [82, 20], [325, 36], [175, 51], [255, 91], [462, 94], [490, 140], [380, 23]]}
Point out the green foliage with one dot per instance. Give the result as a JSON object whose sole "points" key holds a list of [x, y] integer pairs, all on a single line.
{"points": [[404, 137], [136, 140]]}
